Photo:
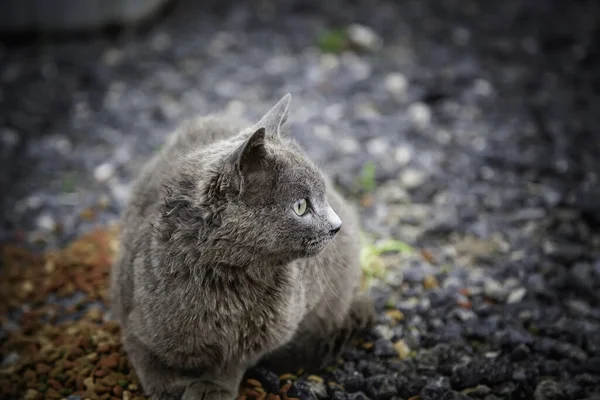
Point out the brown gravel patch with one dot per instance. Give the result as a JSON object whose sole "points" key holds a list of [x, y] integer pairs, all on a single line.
{"points": [[53, 351]]}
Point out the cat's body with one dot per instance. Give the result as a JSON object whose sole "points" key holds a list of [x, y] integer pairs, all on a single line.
{"points": [[216, 272]]}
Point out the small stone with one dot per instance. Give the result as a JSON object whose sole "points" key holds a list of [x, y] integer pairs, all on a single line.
{"points": [[118, 390], [52, 393], [548, 390], [430, 282], [395, 314], [384, 332], [104, 347], [46, 223], [402, 348], [317, 387], [516, 295], [42, 369], [104, 172], [461, 36], [101, 389], [396, 84], [93, 357], [378, 146], [420, 115], [133, 387], [31, 394], [111, 361], [482, 88], [403, 155], [349, 145], [253, 382], [94, 313], [112, 57], [364, 37], [494, 290], [464, 313], [412, 178], [126, 395]]}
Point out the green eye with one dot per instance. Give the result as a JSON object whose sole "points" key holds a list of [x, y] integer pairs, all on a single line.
{"points": [[300, 207]]}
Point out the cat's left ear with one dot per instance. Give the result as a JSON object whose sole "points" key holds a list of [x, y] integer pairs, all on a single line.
{"points": [[275, 117], [248, 161]]}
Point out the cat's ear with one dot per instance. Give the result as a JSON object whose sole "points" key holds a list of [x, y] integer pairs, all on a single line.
{"points": [[249, 159], [276, 116]]}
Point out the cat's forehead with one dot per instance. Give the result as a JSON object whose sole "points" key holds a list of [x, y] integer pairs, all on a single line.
{"points": [[296, 168]]}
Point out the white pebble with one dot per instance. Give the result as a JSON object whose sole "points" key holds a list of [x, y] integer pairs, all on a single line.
{"points": [[461, 36], [403, 155], [46, 223], [349, 145], [482, 88], [420, 114], [378, 146], [364, 37], [412, 178], [396, 84], [516, 296], [104, 172]]}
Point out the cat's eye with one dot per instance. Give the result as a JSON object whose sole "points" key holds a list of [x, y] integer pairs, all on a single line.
{"points": [[300, 207]]}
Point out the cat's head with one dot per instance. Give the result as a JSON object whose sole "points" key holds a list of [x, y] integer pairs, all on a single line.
{"points": [[276, 195], [265, 199]]}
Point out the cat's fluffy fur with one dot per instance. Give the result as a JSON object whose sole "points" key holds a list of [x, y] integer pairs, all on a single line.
{"points": [[217, 272]]}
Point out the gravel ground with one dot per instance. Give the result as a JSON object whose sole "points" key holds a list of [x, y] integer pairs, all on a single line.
{"points": [[480, 120]]}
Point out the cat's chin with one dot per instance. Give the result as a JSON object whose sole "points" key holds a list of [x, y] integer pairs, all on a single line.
{"points": [[315, 249]]}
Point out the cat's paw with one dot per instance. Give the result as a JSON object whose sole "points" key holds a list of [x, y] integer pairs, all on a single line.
{"points": [[203, 390], [362, 313]]}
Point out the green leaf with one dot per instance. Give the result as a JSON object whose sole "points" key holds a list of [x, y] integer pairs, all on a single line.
{"points": [[332, 41]]}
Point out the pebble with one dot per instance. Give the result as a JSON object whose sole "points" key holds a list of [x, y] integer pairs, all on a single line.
{"points": [[403, 155], [10, 359], [402, 348], [420, 115], [46, 223], [378, 146], [494, 290], [412, 178], [104, 172], [384, 332], [516, 295], [349, 145], [396, 84], [548, 390], [318, 388], [364, 37]]}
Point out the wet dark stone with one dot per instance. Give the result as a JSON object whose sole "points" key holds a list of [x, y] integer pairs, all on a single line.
{"points": [[548, 390], [410, 386], [370, 368], [384, 348], [436, 389], [520, 352], [380, 387], [269, 379], [302, 390], [353, 383], [358, 396]]}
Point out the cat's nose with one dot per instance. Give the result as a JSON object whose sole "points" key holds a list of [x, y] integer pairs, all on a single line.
{"points": [[335, 222], [336, 228]]}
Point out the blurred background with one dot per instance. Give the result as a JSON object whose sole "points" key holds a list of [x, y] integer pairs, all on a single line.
{"points": [[467, 131], [433, 92]]}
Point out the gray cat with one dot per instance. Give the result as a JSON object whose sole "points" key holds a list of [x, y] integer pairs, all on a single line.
{"points": [[232, 254]]}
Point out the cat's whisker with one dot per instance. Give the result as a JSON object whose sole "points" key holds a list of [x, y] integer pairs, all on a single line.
{"points": [[321, 273]]}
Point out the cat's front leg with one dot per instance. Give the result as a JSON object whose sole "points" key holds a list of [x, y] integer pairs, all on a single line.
{"points": [[161, 382], [321, 338]]}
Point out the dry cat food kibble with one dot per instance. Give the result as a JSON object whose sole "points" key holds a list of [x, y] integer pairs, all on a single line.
{"points": [[57, 349]]}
